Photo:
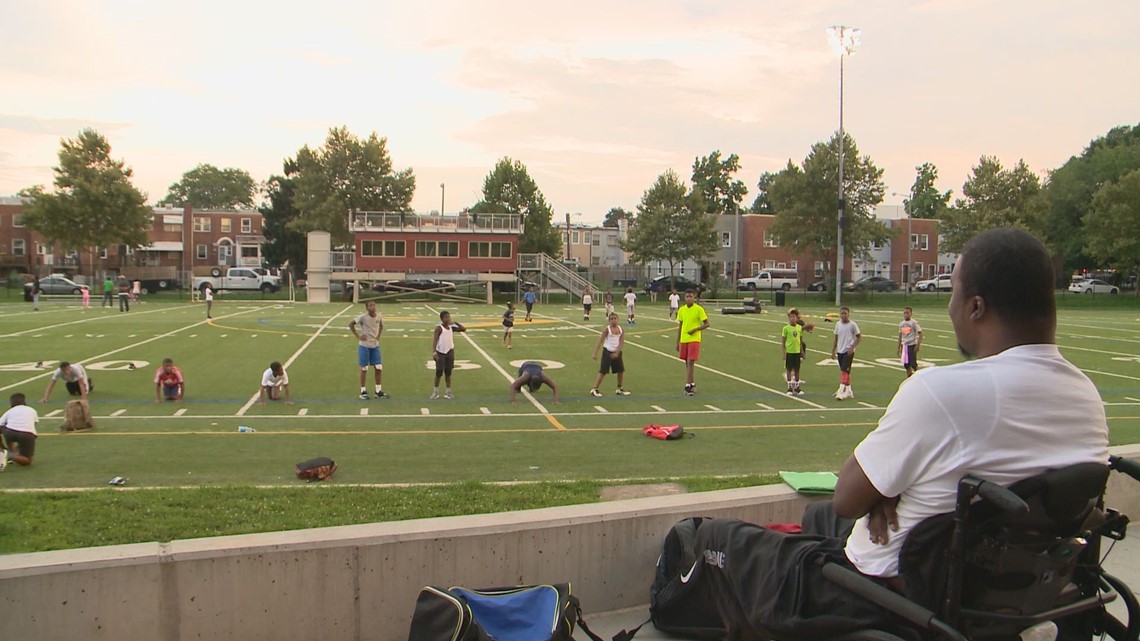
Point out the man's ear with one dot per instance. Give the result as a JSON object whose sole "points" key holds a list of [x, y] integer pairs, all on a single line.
{"points": [[977, 307]]}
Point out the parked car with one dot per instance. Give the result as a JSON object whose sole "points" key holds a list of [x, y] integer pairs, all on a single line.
{"points": [[818, 286], [872, 283], [940, 283], [150, 286], [1091, 286], [55, 284], [661, 284], [424, 284]]}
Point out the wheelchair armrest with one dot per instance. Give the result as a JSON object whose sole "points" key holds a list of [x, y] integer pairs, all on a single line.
{"points": [[884, 597], [1000, 497], [1128, 466]]}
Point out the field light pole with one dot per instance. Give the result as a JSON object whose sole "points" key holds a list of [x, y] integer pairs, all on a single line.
{"points": [[844, 40], [442, 197]]}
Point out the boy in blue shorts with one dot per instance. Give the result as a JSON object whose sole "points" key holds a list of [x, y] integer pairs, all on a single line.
{"points": [[370, 325]]}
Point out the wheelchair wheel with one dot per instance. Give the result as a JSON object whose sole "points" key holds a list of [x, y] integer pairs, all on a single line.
{"points": [[1113, 627]]}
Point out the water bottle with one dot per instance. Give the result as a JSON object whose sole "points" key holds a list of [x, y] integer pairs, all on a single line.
{"points": [[245, 428]]}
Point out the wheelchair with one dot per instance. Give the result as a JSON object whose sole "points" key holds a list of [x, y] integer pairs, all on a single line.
{"points": [[1017, 563]]}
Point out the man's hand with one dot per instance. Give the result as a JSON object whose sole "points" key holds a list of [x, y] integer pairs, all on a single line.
{"points": [[882, 520]]}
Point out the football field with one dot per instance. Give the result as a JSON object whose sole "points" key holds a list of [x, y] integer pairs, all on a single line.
{"points": [[741, 420]]}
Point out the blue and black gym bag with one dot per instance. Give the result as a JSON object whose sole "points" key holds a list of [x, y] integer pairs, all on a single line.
{"points": [[529, 613]]}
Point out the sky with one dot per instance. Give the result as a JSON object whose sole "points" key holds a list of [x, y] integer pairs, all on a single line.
{"points": [[596, 98]]}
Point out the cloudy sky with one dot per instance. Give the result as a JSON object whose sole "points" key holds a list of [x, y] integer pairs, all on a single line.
{"points": [[596, 98]]}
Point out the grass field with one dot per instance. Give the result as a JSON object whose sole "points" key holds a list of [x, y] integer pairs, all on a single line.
{"points": [[743, 424]]}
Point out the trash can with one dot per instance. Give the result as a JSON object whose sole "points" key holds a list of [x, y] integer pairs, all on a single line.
{"points": [[780, 296]]}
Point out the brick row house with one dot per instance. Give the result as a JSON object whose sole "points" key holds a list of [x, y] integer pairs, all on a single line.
{"points": [[216, 240]]}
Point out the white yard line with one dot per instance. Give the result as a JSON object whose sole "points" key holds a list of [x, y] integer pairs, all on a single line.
{"points": [[295, 356], [83, 320]]}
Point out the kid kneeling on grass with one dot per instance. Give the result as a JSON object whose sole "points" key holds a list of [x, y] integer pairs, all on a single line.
{"points": [[18, 433], [274, 381]]}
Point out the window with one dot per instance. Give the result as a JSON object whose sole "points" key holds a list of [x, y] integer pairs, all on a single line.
{"points": [[875, 245], [18, 246], [246, 225], [449, 248], [595, 261], [611, 241], [726, 239], [755, 268], [914, 241], [103, 253], [41, 249], [201, 253], [819, 269], [596, 240], [488, 250], [770, 264], [17, 220], [250, 251], [201, 223], [574, 237], [226, 226], [382, 248], [795, 264], [171, 227], [425, 248], [781, 265], [924, 242], [769, 241]]}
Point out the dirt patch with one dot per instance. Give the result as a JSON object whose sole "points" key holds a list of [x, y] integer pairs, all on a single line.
{"points": [[620, 492]]}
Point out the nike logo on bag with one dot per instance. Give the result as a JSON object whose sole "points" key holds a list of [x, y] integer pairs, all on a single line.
{"points": [[685, 577]]}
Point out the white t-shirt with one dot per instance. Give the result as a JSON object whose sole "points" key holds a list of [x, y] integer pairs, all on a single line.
{"points": [[674, 301], [1002, 418], [20, 418], [587, 299], [209, 294], [446, 341], [269, 380], [613, 339], [76, 372], [630, 299], [846, 333], [369, 329]]}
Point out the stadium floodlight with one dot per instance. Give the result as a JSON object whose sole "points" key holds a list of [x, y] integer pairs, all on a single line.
{"points": [[844, 40]]}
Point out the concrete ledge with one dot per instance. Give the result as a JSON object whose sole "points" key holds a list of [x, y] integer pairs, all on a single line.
{"points": [[360, 582]]}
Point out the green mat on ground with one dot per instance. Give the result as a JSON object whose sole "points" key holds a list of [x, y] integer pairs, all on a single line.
{"points": [[811, 482]]}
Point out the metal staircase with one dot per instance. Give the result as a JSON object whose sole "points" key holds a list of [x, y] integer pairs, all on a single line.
{"points": [[554, 271]]}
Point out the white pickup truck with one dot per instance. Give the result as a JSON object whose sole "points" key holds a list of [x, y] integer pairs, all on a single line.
{"points": [[240, 278], [769, 279]]}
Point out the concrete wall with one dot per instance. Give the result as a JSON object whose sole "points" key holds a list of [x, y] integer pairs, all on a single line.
{"points": [[359, 583]]}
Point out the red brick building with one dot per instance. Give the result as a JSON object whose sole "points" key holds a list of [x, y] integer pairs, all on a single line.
{"points": [[467, 243], [214, 238]]}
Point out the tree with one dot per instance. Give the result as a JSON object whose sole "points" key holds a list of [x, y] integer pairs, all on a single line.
{"points": [[993, 197], [1070, 188], [510, 189], [671, 225], [283, 245], [207, 187], [763, 203], [804, 199], [712, 178], [347, 174], [614, 215], [925, 200], [94, 203], [1113, 223]]}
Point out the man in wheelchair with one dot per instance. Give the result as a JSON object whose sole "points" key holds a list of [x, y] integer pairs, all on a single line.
{"points": [[1015, 411]]}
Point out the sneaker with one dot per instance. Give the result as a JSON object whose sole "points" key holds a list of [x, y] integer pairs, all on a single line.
{"points": [[790, 392], [448, 396], [799, 392], [595, 392], [3, 459], [849, 393], [382, 395], [364, 396], [620, 392], [434, 395]]}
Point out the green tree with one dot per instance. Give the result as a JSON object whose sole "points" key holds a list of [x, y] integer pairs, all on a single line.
{"points": [[347, 174], [804, 199], [614, 215], [763, 202], [671, 225], [1113, 223], [207, 187], [510, 189], [94, 203], [283, 245], [1069, 192], [712, 178], [925, 200], [993, 197]]}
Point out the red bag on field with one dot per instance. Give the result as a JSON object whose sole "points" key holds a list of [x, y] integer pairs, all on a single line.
{"points": [[664, 432]]}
